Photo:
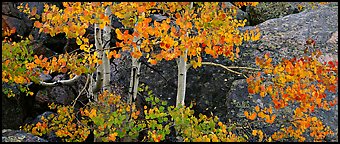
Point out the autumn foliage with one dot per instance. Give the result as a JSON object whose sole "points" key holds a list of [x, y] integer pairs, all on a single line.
{"points": [[193, 29], [299, 82]]}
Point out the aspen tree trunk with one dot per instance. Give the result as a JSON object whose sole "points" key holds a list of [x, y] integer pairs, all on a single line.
{"points": [[106, 42], [135, 72], [99, 79], [182, 75]]}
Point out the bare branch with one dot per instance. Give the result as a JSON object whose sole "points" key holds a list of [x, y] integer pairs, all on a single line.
{"points": [[225, 67], [87, 81], [62, 82]]}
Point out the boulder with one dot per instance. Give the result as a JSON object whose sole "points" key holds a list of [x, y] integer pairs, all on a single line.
{"points": [[286, 37], [12, 18], [12, 113], [58, 94], [9, 135], [269, 10]]}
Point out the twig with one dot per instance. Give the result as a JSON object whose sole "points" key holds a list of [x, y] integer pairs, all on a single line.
{"points": [[225, 67], [248, 68], [87, 81]]}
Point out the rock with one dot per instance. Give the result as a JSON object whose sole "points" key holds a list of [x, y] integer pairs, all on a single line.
{"points": [[45, 77], [285, 37], [11, 18], [12, 113], [269, 10], [58, 94], [240, 14], [9, 135]]}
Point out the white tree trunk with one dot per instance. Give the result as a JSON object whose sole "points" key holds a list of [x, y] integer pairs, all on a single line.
{"points": [[99, 79], [135, 72], [181, 77], [182, 74], [106, 62]]}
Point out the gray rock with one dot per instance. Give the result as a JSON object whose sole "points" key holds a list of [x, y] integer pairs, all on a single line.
{"points": [[285, 37], [269, 10], [9, 135], [44, 77], [58, 94]]}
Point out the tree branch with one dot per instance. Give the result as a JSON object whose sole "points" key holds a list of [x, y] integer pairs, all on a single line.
{"points": [[87, 81], [60, 82], [225, 67]]}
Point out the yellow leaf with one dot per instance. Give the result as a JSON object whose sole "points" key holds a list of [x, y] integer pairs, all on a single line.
{"points": [[78, 41], [261, 114], [254, 132], [119, 34], [49, 16], [119, 15], [314, 119], [93, 113]]}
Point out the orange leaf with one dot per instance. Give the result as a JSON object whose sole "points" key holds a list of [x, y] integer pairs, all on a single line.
{"points": [[251, 91], [112, 137], [237, 52], [246, 113], [34, 11], [271, 120], [37, 24], [262, 94], [252, 116], [93, 113], [257, 108], [270, 110], [63, 70], [332, 88], [152, 61]]}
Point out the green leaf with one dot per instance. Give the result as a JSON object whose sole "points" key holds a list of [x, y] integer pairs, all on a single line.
{"points": [[161, 108], [157, 100], [164, 103]]}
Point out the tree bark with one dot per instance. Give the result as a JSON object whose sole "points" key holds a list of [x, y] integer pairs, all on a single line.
{"points": [[99, 79], [135, 72], [181, 76], [106, 62]]}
